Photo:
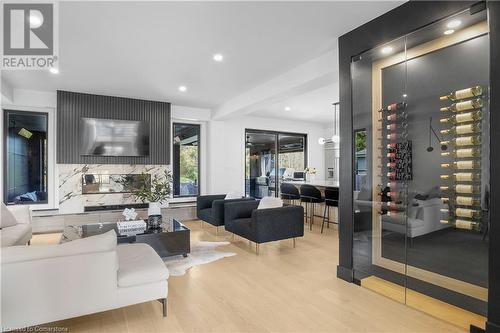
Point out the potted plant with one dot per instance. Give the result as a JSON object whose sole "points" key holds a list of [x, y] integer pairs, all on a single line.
{"points": [[310, 174], [155, 190]]}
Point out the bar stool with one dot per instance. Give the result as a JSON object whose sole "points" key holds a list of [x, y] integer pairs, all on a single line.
{"points": [[289, 192], [311, 196], [331, 200]]}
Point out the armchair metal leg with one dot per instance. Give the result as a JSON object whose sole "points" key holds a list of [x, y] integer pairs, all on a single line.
{"points": [[293, 241], [257, 248], [311, 221], [233, 236], [201, 223], [217, 231]]}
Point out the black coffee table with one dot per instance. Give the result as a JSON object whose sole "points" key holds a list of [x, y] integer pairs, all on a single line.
{"points": [[172, 238]]}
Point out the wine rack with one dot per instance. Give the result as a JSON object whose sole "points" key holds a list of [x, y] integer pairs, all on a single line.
{"points": [[396, 160], [461, 175]]}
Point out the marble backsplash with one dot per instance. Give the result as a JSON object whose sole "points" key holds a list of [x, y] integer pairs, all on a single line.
{"points": [[71, 199]]}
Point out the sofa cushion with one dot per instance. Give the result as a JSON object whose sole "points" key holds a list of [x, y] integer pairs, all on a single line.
{"points": [[99, 243], [270, 202], [19, 234], [205, 214], [7, 218], [139, 264]]}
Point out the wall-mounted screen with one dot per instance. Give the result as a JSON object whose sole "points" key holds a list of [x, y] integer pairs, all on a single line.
{"points": [[112, 137]]}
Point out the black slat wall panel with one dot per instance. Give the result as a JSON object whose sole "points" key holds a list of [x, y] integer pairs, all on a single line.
{"points": [[72, 106]]}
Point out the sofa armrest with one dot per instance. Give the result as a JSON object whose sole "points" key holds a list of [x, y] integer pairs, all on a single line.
{"points": [[278, 223], [22, 213], [205, 201], [218, 208], [238, 210]]}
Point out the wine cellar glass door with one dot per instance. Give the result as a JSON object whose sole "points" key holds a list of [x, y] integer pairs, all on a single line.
{"points": [[427, 228]]}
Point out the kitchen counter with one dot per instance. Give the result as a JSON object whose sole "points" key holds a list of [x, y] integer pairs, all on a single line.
{"points": [[317, 183]]}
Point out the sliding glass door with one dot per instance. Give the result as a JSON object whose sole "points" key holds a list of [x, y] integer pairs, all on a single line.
{"points": [[271, 157]]}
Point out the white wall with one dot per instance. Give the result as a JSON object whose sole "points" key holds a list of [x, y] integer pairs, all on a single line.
{"points": [[226, 155], [223, 142]]}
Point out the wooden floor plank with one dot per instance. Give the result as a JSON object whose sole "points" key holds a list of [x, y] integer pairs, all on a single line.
{"points": [[283, 289]]}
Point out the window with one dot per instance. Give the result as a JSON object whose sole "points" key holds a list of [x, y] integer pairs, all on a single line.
{"points": [[186, 159], [26, 154], [268, 151]]}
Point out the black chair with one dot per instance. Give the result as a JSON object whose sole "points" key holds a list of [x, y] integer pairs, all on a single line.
{"points": [[331, 200], [289, 192], [210, 208], [264, 225], [311, 196]]}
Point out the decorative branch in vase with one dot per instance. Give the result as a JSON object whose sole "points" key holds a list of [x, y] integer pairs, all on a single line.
{"points": [[310, 174], [155, 190]]}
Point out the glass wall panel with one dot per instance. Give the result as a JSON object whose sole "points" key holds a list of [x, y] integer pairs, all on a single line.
{"points": [[271, 157], [421, 182], [260, 153]]}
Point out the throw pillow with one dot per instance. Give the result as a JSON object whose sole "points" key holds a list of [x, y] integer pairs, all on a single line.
{"points": [[270, 202], [30, 196]]}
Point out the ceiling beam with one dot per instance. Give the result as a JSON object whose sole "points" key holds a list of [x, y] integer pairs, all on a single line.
{"points": [[314, 74]]}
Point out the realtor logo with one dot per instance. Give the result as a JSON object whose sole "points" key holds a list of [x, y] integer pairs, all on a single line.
{"points": [[29, 35]]}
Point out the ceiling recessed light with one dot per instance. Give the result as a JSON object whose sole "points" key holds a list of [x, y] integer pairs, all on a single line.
{"points": [[405, 95], [449, 32], [453, 24], [54, 70], [387, 50], [287, 108], [218, 57], [183, 88]]}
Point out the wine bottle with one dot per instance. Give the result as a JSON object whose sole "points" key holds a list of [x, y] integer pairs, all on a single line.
{"points": [[463, 177], [462, 201], [463, 129], [397, 116], [463, 94], [393, 207], [463, 224], [463, 141], [464, 212], [396, 136], [391, 175], [391, 165], [463, 152], [394, 107], [462, 188], [391, 146], [462, 165], [396, 127], [392, 185], [464, 106], [462, 117], [391, 155]]}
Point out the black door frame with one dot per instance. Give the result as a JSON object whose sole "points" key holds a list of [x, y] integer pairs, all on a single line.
{"points": [[403, 20], [276, 147]]}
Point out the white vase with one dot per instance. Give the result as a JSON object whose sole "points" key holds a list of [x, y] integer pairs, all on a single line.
{"points": [[310, 178], [154, 208]]}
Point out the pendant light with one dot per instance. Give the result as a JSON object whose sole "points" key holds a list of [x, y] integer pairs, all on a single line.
{"points": [[335, 137]]}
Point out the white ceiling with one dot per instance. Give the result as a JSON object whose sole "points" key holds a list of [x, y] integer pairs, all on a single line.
{"points": [[147, 49], [313, 106]]}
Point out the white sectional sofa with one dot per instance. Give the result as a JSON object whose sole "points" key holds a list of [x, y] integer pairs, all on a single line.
{"points": [[46, 283], [15, 225]]}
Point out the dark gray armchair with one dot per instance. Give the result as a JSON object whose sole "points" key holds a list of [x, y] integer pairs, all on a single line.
{"points": [[210, 208], [264, 225]]}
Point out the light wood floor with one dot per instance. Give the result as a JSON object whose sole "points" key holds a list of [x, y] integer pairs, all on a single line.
{"points": [[283, 289]]}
